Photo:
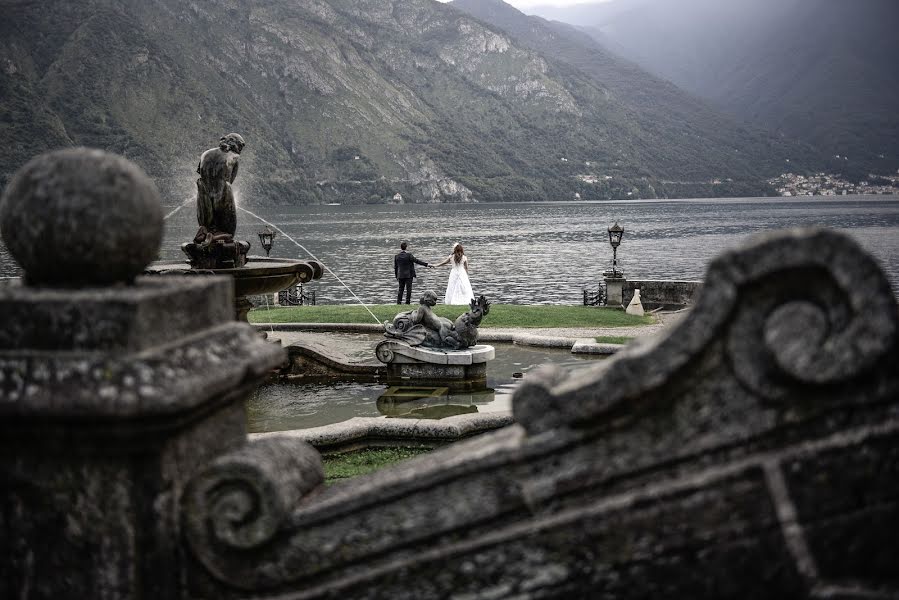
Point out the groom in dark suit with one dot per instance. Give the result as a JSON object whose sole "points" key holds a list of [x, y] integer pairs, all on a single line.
{"points": [[404, 270]]}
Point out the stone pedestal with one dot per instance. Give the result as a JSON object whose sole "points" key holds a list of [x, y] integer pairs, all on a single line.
{"points": [[113, 399], [614, 286], [457, 369], [221, 254]]}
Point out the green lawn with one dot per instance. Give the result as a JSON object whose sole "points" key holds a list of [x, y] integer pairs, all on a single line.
{"points": [[501, 315], [351, 464], [613, 339]]}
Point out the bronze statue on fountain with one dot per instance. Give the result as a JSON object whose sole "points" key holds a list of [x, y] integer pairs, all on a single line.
{"points": [[214, 246], [214, 250]]}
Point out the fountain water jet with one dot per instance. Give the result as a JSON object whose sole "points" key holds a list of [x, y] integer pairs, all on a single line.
{"points": [[176, 209], [304, 249]]}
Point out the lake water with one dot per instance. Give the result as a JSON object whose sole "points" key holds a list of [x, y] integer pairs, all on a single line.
{"points": [[279, 406], [542, 253]]}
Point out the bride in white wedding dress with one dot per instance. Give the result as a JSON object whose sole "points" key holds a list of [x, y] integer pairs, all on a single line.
{"points": [[458, 289]]}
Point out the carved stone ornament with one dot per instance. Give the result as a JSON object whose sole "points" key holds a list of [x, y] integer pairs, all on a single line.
{"points": [[78, 216], [421, 327], [751, 452]]}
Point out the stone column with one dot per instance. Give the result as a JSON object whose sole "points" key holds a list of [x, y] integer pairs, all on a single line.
{"points": [[614, 287], [114, 388]]}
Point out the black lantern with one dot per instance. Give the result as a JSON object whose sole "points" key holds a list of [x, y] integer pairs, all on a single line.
{"points": [[267, 238], [616, 231]]}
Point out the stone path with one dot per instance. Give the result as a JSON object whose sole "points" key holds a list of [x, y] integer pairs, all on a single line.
{"points": [[356, 341]]}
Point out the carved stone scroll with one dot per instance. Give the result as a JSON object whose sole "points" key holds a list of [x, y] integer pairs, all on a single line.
{"points": [[237, 504]]}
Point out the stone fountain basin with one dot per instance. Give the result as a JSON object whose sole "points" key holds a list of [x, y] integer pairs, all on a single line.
{"points": [[268, 275], [259, 276]]}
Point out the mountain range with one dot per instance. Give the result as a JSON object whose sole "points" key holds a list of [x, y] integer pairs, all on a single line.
{"points": [[823, 71], [361, 100]]}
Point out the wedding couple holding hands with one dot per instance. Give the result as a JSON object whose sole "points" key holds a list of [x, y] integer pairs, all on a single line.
{"points": [[458, 288]]}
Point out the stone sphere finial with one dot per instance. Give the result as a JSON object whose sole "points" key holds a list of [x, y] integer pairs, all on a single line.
{"points": [[81, 217]]}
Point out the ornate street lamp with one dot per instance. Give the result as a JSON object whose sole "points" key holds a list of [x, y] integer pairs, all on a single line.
{"points": [[616, 231], [267, 238]]}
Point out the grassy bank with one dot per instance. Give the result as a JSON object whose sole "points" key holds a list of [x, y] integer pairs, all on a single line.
{"points": [[613, 339], [351, 464], [501, 315]]}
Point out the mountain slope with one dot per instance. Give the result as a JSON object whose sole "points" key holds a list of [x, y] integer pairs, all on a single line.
{"points": [[655, 100], [821, 70], [353, 100]]}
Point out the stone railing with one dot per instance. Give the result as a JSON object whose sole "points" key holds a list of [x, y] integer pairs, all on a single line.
{"points": [[750, 453]]}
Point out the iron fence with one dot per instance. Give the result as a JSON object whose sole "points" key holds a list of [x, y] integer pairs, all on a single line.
{"points": [[296, 296], [597, 298]]}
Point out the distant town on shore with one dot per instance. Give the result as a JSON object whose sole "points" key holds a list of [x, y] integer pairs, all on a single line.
{"points": [[825, 184]]}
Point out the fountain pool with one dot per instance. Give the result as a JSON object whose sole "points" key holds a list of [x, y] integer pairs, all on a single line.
{"points": [[280, 406]]}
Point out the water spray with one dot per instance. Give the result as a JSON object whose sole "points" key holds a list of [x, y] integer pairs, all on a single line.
{"points": [[303, 248], [165, 218]]}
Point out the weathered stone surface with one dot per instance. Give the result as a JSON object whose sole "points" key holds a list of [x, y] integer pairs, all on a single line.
{"points": [[242, 498], [312, 360], [152, 312], [78, 217], [614, 287], [591, 346], [366, 432]]}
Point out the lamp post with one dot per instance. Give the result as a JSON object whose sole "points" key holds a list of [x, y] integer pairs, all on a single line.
{"points": [[616, 231], [267, 238]]}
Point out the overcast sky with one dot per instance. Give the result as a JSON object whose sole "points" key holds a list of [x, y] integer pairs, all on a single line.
{"points": [[523, 4]]}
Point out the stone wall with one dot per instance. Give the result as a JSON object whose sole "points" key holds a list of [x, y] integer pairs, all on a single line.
{"points": [[664, 293]]}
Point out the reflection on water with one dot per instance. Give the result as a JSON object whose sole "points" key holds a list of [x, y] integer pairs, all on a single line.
{"points": [[409, 402], [431, 407], [279, 406]]}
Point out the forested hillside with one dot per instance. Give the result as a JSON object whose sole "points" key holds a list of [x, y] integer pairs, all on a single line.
{"points": [[355, 101]]}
